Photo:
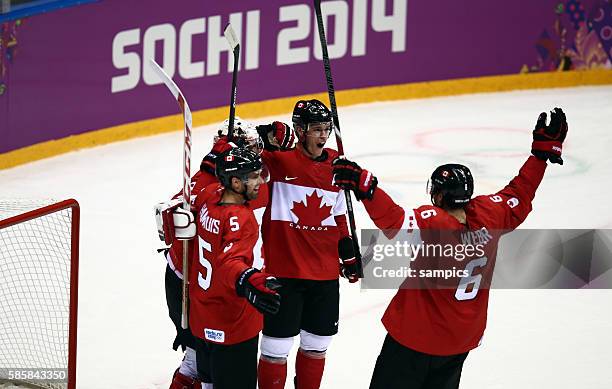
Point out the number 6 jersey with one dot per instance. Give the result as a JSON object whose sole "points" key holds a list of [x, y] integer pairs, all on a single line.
{"points": [[451, 320]]}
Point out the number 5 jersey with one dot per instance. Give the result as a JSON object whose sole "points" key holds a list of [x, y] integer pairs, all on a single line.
{"points": [[226, 236]]}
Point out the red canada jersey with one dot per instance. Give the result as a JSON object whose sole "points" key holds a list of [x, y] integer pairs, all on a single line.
{"points": [[304, 218], [226, 236], [448, 321], [204, 180]]}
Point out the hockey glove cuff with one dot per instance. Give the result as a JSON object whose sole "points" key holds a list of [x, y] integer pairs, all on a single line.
{"points": [[260, 290], [349, 176]]}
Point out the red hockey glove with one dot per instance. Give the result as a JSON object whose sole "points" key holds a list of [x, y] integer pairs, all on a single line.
{"points": [[260, 290], [277, 136], [208, 162], [548, 140], [348, 175], [349, 268]]}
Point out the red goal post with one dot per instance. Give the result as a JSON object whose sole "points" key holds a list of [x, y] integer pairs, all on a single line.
{"points": [[39, 262]]}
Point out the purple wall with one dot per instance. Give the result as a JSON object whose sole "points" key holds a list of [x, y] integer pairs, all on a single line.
{"points": [[56, 75]]}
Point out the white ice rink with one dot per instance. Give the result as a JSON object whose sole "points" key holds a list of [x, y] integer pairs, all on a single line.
{"points": [[534, 338]]}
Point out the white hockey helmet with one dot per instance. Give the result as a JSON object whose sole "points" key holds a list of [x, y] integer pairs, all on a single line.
{"points": [[243, 130]]}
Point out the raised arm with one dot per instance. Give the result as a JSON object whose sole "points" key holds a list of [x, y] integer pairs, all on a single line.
{"points": [[276, 136], [517, 197], [383, 211]]}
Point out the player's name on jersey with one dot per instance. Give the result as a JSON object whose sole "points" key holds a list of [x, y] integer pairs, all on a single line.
{"points": [[208, 223]]}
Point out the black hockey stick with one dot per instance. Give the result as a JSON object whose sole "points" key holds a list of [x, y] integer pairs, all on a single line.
{"points": [[232, 39], [334, 110]]}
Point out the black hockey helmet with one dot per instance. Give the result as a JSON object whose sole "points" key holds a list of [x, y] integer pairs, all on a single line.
{"points": [[455, 182], [237, 162], [306, 112]]}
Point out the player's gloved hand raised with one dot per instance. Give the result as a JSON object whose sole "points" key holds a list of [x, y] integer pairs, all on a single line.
{"points": [[349, 176], [349, 267], [548, 139], [208, 162], [260, 290], [277, 136]]}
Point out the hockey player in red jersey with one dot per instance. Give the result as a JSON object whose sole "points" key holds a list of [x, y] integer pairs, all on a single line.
{"points": [[431, 331], [305, 233], [186, 376], [226, 291]]}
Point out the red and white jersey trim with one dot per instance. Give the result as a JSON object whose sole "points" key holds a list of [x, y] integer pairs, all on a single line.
{"points": [[410, 221]]}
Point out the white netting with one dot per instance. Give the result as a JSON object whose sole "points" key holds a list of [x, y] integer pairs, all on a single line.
{"points": [[35, 267], [12, 207]]}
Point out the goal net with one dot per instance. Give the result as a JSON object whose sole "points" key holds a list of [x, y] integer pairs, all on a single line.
{"points": [[39, 244]]}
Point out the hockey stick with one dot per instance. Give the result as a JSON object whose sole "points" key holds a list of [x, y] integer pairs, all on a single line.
{"points": [[178, 95], [334, 110], [230, 35]]}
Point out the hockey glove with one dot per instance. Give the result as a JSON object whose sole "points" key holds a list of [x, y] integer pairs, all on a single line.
{"points": [[277, 136], [174, 222], [548, 140], [349, 268], [260, 290], [208, 162], [348, 175]]}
